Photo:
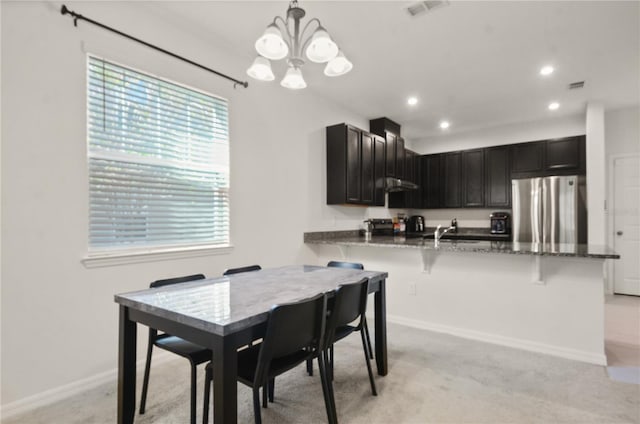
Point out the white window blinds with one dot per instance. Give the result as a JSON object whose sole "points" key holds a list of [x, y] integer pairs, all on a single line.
{"points": [[158, 161]]}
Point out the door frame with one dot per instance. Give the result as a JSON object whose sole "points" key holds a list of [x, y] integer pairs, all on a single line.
{"points": [[610, 202]]}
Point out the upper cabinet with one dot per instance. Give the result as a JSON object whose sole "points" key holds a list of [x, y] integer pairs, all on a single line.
{"points": [[558, 156], [473, 178], [394, 148], [355, 161], [563, 154], [451, 180], [497, 182]]}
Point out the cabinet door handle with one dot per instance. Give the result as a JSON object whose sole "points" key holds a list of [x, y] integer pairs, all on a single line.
{"points": [[619, 233]]}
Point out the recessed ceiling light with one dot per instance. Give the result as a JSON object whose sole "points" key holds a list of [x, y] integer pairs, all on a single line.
{"points": [[444, 125], [546, 70], [412, 101], [554, 105]]}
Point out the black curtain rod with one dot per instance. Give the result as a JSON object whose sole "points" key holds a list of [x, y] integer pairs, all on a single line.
{"points": [[77, 17]]}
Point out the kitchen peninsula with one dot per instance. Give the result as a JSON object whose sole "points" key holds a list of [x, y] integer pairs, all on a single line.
{"points": [[542, 298]]}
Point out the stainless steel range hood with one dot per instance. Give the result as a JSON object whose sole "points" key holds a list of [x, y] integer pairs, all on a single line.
{"points": [[396, 184]]}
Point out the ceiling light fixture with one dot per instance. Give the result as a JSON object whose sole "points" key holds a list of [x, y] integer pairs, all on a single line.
{"points": [[546, 70], [284, 38], [412, 101], [444, 125], [554, 105]]}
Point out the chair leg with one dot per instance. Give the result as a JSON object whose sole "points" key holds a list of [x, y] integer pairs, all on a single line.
{"points": [[366, 333], [145, 381], [194, 380], [327, 390], [265, 390], [272, 389], [310, 367], [256, 405], [366, 358], [330, 365], [207, 391]]}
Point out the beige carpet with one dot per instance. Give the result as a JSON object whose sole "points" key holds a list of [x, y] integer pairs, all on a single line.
{"points": [[433, 378]]}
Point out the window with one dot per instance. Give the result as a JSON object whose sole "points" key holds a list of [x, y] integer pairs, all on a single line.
{"points": [[158, 162]]}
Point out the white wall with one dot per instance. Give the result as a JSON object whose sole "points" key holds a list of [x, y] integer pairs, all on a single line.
{"points": [[596, 177], [59, 321]]}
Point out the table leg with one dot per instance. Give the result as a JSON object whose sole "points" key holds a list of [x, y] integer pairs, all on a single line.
{"points": [[126, 368], [225, 386], [381, 328]]}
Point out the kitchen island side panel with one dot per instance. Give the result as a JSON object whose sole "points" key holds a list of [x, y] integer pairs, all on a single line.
{"points": [[493, 297]]}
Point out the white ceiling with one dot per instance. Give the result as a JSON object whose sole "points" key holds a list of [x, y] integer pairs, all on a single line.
{"points": [[473, 63]]}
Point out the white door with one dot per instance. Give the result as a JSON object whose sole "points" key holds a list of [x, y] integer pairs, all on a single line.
{"points": [[626, 225]]}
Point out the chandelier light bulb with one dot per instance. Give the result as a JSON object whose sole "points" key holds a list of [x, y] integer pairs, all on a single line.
{"points": [[293, 79], [271, 45], [260, 69], [321, 48], [337, 66]]}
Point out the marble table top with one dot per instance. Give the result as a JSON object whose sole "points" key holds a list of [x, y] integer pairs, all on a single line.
{"points": [[227, 304]]}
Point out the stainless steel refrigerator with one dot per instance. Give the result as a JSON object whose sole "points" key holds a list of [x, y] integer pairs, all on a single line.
{"points": [[550, 209]]}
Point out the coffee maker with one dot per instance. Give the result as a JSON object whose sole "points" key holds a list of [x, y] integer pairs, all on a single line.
{"points": [[500, 223], [415, 224]]}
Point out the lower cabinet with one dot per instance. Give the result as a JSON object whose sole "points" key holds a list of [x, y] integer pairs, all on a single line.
{"points": [[355, 166]]}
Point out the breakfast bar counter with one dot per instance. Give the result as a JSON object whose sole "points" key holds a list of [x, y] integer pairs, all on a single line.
{"points": [[354, 238], [542, 298]]}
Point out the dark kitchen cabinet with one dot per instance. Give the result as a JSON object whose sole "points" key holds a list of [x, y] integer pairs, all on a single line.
{"points": [[558, 156], [394, 149], [431, 181], [562, 154], [391, 141], [408, 198], [378, 169], [527, 158], [472, 178], [497, 177], [401, 157], [352, 165], [452, 184]]}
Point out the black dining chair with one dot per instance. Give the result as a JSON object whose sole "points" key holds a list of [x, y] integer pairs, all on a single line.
{"points": [[249, 268], [355, 265], [294, 333], [196, 354], [349, 305]]}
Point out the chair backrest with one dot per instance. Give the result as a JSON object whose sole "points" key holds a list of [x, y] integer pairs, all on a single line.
{"points": [[291, 327], [232, 271], [339, 264], [349, 303], [177, 280]]}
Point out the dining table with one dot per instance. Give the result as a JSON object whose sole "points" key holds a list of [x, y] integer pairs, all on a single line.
{"points": [[225, 314]]}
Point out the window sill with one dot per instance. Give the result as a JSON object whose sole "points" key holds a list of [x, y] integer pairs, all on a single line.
{"points": [[125, 257]]}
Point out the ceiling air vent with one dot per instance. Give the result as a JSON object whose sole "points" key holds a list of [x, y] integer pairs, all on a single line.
{"points": [[421, 7], [574, 85]]}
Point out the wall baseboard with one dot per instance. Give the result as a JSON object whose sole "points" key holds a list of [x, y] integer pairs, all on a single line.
{"points": [[562, 352], [59, 393]]}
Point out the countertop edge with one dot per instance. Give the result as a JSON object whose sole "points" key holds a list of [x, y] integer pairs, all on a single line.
{"points": [[475, 247]]}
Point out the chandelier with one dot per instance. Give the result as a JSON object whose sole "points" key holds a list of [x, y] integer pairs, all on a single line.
{"points": [[283, 38]]}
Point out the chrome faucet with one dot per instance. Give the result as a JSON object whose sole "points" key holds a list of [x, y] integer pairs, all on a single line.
{"points": [[437, 235]]}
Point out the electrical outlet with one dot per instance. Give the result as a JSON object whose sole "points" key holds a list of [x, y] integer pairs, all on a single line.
{"points": [[412, 288]]}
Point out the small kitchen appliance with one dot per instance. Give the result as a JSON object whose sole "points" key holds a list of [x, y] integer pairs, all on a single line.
{"points": [[415, 224], [500, 223]]}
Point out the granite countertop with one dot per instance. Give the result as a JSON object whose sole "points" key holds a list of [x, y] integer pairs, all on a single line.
{"points": [[354, 238]]}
